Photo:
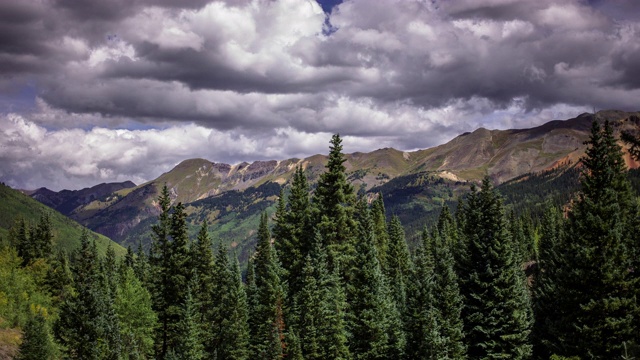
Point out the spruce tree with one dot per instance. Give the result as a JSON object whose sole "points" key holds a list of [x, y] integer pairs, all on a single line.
{"points": [[596, 285], [137, 319], [202, 265], [422, 320], [379, 217], [159, 272], [497, 314], [180, 275], [268, 331], [334, 201], [398, 264], [292, 232], [234, 343], [36, 340], [81, 326], [448, 300], [373, 319], [321, 308], [188, 326], [545, 291]]}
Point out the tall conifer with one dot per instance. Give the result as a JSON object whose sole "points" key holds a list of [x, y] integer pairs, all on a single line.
{"points": [[497, 313], [596, 285]]}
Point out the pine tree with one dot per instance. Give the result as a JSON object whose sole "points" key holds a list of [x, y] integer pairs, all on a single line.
{"points": [[373, 319], [422, 320], [398, 264], [159, 272], [334, 201], [497, 313], [188, 326], [137, 319], [234, 343], [292, 232], [202, 265], [36, 340], [596, 285], [180, 274], [218, 311], [321, 308], [42, 238], [81, 326], [379, 217], [448, 300], [268, 331], [545, 300]]}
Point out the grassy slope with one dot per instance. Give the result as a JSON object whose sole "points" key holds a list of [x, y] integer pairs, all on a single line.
{"points": [[14, 204]]}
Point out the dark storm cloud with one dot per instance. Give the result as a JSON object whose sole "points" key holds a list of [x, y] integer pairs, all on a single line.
{"points": [[253, 79]]}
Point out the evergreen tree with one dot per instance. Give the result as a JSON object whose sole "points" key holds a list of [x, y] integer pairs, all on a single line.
{"points": [[42, 238], [36, 340], [292, 231], [268, 331], [448, 300], [596, 285], [321, 305], [203, 292], [221, 281], [497, 313], [234, 343], [82, 327], [373, 319], [23, 242], [398, 264], [59, 279], [422, 321], [129, 259], [334, 201], [159, 272], [545, 300], [180, 275], [137, 319], [379, 217], [188, 326]]}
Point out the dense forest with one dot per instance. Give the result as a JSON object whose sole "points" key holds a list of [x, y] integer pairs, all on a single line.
{"points": [[332, 277]]}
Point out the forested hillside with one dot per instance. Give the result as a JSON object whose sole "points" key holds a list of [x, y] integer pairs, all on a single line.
{"points": [[414, 184], [331, 277]]}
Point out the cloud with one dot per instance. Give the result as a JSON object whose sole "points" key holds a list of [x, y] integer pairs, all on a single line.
{"points": [[271, 78]]}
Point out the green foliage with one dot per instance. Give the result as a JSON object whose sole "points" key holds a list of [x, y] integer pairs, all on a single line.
{"points": [[267, 325], [292, 231], [373, 318], [424, 340], [20, 289], [36, 340], [66, 232], [320, 309], [334, 201], [497, 313], [595, 289], [188, 327], [448, 300], [137, 319], [86, 327], [398, 264]]}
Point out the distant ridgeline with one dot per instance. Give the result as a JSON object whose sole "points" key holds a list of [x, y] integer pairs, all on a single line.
{"points": [[414, 185], [332, 277]]}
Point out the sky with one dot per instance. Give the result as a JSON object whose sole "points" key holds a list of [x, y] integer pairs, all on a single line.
{"points": [[100, 91]]}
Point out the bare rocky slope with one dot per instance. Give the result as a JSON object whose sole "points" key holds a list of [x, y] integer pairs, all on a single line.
{"points": [[212, 189]]}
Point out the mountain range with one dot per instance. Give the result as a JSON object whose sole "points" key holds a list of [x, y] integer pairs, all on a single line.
{"points": [[414, 183]]}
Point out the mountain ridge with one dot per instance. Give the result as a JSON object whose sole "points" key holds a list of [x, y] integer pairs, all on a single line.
{"points": [[501, 154]]}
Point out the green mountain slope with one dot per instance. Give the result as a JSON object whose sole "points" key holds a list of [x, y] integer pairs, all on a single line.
{"points": [[413, 183], [14, 204]]}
